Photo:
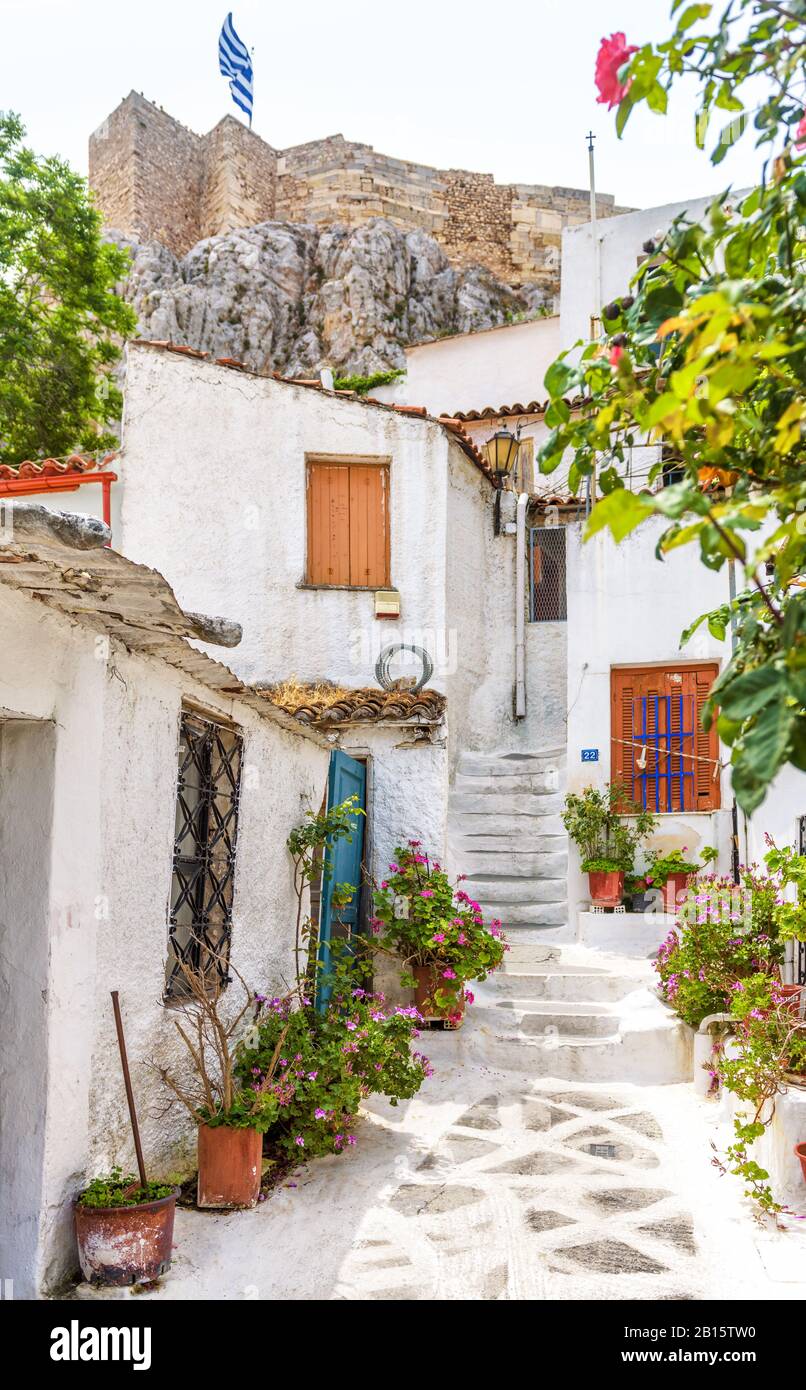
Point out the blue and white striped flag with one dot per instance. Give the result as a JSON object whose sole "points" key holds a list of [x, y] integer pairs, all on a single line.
{"points": [[235, 63]]}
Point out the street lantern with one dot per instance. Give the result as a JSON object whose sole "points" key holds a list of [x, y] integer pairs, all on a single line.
{"points": [[501, 451]]}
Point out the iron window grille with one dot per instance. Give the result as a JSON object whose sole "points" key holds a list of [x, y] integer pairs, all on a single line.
{"points": [[205, 836], [547, 588]]}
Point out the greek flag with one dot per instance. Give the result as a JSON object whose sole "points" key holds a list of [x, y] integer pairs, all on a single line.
{"points": [[234, 62]]}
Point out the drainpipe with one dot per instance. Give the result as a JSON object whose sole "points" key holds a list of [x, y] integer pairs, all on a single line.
{"points": [[520, 617]]}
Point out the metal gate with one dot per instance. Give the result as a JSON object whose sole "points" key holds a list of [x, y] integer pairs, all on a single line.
{"points": [[547, 593]]}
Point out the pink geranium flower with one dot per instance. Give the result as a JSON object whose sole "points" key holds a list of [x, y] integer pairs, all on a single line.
{"points": [[449, 974], [613, 54]]}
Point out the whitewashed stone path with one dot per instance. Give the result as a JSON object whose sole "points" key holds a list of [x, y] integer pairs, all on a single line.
{"points": [[550, 1157]]}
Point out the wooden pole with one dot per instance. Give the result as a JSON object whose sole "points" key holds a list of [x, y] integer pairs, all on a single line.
{"points": [[124, 1062]]}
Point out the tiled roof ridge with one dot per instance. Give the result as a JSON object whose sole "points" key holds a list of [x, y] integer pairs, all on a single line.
{"points": [[364, 704], [451, 424], [54, 468]]}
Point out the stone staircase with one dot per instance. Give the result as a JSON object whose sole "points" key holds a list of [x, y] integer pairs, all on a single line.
{"points": [[576, 1014], [506, 835]]}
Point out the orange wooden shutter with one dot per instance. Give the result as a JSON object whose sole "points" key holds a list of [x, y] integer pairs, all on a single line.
{"points": [[328, 523], [369, 532], [348, 524], [633, 735]]}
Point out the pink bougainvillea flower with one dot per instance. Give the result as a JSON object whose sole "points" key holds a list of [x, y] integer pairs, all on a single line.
{"points": [[470, 997], [615, 355], [613, 54]]}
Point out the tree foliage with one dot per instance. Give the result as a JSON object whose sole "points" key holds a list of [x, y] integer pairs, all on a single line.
{"points": [[60, 319], [706, 356]]}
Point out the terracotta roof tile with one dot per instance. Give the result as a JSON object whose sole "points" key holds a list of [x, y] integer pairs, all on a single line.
{"points": [[369, 705], [53, 468]]}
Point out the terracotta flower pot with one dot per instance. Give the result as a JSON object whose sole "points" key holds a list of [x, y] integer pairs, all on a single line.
{"points": [[673, 888], [606, 887], [429, 979], [800, 1150], [126, 1245], [791, 997], [230, 1162]]}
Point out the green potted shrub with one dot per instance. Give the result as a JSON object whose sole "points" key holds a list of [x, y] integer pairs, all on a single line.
{"points": [[672, 872], [439, 932], [607, 830], [124, 1230]]}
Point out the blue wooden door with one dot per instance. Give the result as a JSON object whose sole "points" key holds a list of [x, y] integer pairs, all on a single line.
{"points": [[346, 777]]}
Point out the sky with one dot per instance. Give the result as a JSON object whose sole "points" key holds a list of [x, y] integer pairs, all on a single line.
{"points": [[503, 87]]}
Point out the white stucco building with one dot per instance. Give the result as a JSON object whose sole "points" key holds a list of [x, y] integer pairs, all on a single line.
{"points": [[106, 709]]}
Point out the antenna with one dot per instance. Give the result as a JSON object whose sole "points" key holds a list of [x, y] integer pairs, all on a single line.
{"points": [[597, 272]]}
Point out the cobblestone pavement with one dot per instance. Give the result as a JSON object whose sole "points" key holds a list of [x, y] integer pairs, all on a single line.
{"points": [[500, 1184]]}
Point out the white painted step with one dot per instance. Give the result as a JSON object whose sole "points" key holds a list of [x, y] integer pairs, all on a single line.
{"points": [[505, 764], [517, 865], [506, 803], [472, 823], [502, 889], [524, 986], [527, 914], [519, 783]]}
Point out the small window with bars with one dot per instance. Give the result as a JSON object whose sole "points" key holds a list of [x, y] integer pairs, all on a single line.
{"points": [[205, 836], [547, 591], [660, 751]]}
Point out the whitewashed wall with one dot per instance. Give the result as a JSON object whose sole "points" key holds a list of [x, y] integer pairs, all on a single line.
{"points": [[625, 608], [112, 725], [620, 245], [491, 368], [214, 497]]}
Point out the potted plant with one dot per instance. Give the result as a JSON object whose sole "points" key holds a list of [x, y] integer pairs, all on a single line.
{"points": [[124, 1230], [439, 932], [323, 1063], [800, 1150], [231, 1118], [770, 1057], [672, 873], [607, 829]]}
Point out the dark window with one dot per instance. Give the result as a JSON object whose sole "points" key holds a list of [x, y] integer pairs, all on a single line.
{"points": [[200, 921], [547, 601]]}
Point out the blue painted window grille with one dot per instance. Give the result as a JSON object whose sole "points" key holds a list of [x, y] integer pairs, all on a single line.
{"points": [[661, 761]]}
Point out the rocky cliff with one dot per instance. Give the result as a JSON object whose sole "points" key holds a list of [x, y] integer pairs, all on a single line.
{"points": [[297, 297]]}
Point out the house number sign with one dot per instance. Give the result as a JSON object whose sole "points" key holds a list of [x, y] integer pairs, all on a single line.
{"points": [[590, 755]]}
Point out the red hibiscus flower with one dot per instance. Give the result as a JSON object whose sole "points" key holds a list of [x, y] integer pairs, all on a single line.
{"points": [[615, 356], [800, 135], [613, 54]]}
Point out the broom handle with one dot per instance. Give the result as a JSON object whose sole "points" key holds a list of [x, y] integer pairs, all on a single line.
{"points": [[124, 1062]]}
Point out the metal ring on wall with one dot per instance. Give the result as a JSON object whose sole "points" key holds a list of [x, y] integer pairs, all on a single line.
{"points": [[382, 665]]}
